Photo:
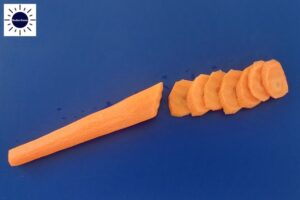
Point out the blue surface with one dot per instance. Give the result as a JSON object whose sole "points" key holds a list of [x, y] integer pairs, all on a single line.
{"points": [[90, 54]]}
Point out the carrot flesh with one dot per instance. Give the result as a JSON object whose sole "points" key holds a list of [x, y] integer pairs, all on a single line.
{"points": [[227, 93], [195, 95], [177, 98], [211, 90], [137, 108], [274, 79], [255, 82], [244, 96]]}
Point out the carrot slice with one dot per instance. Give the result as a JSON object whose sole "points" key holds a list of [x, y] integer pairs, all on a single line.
{"points": [[177, 98], [244, 96], [130, 111], [227, 92], [255, 82], [274, 79], [211, 90], [195, 101]]}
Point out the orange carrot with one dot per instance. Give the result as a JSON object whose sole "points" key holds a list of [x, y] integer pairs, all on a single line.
{"points": [[274, 79], [227, 92], [137, 108], [244, 96], [195, 99], [255, 82], [177, 98], [211, 90]]}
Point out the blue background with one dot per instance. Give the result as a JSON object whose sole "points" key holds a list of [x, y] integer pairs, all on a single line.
{"points": [[90, 54]]}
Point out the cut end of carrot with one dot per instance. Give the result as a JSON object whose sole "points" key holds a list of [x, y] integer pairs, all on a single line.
{"points": [[12, 162], [274, 79], [156, 93], [177, 98]]}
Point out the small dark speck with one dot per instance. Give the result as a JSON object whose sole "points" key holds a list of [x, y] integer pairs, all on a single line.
{"points": [[17, 140], [82, 111], [108, 103], [164, 77], [63, 118], [187, 70], [193, 76], [75, 116], [58, 109], [214, 67]]}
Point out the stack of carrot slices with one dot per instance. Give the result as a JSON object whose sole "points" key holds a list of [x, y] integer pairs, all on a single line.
{"points": [[229, 91]]}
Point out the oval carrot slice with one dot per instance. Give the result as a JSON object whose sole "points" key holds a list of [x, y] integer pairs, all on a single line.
{"points": [[177, 98], [244, 96], [274, 79], [211, 90], [195, 101], [255, 82], [227, 92]]}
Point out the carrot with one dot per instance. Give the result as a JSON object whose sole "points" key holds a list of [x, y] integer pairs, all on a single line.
{"points": [[227, 92], [244, 96], [177, 98], [274, 79], [211, 90], [255, 82], [137, 108], [195, 101]]}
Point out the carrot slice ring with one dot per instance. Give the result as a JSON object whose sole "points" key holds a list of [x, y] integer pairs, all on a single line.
{"points": [[227, 93], [255, 82], [274, 79], [195, 101], [177, 98], [244, 96], [211, 90]]}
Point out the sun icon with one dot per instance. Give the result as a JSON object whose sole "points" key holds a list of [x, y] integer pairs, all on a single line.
{"points": [[19, 20]]}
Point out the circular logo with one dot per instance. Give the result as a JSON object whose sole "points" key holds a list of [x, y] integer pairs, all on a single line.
{"points": [[20, 20]]}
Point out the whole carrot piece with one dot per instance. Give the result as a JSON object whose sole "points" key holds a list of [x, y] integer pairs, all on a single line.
{"points": [[137, 108]]}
